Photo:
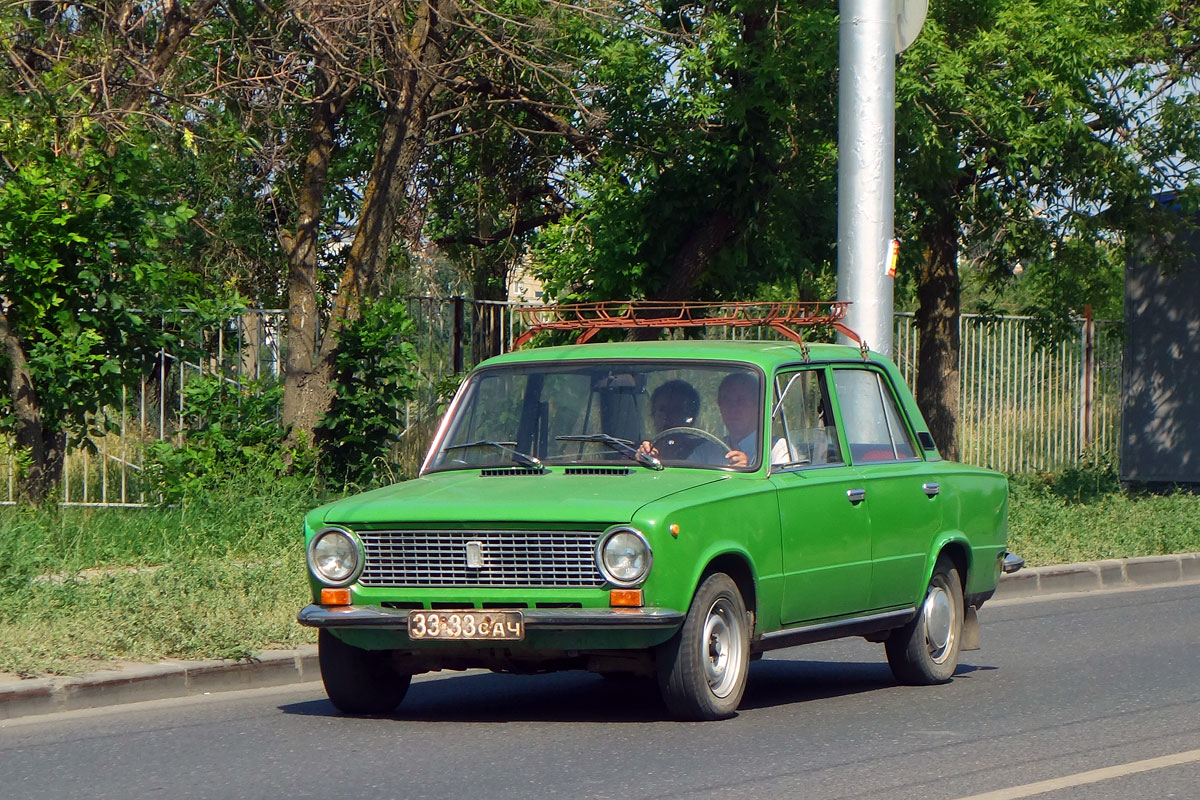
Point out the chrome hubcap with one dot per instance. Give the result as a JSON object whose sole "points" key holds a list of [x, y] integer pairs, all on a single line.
{"points": [[939, 615], [723, 651]]}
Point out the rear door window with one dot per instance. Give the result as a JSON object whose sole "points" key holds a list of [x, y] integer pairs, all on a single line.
{"points": [[874, 427]]}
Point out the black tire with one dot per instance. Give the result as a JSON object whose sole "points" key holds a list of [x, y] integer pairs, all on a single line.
{"points": [[359, 681], [925, 651], [702, 669]]}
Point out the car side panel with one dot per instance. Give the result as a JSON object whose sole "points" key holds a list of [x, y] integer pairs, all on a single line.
{"points": [[975, 514], [983, 515], [826, 544], [974, 500], [904, 520]]}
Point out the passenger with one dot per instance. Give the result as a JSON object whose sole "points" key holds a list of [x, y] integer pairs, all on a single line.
{"points": [[738, 399], [676, 404]]}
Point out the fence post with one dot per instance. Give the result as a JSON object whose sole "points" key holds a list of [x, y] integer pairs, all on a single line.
{"points": [[1089, 358], [458, 334], [497, 330]]}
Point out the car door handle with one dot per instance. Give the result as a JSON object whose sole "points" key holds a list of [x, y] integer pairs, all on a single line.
{"points": [[856, 496], [931, 489]]}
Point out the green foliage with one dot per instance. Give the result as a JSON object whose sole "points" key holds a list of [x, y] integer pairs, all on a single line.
{"points": [[720, 136], [230, 429], [445, 389], [1078, 485], [82, 244], [1024, 132], [1085, 514], [375, 378]]}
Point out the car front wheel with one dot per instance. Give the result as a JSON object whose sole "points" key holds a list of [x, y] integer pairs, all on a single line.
{"points": [[359, 681], [925, 651], [702, 669]]}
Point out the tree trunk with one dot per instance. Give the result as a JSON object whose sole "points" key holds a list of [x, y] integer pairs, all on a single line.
{"points": [[692, 260], [301, 398], [44, 448], [937, 326], [418, 65], [720, 226]]}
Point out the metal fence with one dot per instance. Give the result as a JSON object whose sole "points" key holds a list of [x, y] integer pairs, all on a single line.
{"points": [[1023, 406], [108, 468], [248, 352]]}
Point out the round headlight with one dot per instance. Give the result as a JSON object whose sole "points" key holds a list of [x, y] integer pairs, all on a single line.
{"points": [[624, 557], [333, 556]]}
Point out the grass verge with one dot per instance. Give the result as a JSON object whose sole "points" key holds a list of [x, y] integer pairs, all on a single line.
{"points": [[223, 577], [1086, 515], [218, 578]]}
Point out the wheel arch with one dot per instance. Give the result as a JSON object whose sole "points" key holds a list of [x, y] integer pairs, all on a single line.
{"points": [[737, 566], [958, 550]]}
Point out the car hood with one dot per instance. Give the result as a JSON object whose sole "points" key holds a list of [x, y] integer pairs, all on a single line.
{"points": [[466, 495]]}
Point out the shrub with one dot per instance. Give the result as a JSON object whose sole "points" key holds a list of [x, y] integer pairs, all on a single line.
{"points": [[231, 429], [375, 378]]}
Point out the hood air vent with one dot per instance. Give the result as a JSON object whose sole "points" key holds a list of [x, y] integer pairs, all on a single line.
{"points": [[497, 472], [597, 471]]}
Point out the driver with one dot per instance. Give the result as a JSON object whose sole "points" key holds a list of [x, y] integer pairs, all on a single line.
{"points": [[675, 404]]}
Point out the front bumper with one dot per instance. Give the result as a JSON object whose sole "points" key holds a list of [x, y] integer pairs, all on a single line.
{"points": [[537, 620]]}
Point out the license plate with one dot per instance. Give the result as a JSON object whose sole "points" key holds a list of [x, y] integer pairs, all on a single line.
{"points": [[457, 625]]}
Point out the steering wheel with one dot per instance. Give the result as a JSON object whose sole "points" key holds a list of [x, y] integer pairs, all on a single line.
{"points": [[690, 431]]}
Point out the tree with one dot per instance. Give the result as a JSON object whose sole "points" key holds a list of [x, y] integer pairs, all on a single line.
{"points": [[83, 221], [1024, 139], [716, 175], [467, 60]]}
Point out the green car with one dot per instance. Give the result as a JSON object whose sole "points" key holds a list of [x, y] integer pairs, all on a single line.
{"points": [[666, 509]]}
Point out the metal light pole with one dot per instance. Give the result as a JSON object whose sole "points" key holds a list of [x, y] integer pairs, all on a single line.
{"points": [[870, 34]]}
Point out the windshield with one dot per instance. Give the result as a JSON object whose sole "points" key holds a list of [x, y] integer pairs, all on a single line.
{"points": [[646, 414]]}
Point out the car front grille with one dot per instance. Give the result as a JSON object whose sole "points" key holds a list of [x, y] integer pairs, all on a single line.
{"points": [[481, 558]]}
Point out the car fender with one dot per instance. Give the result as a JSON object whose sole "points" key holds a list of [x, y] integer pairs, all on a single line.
{"points": [[956, 540], [717, 558], [692, 530]]}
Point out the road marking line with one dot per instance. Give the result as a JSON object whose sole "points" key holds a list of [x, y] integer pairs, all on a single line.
{"points": [[1084, 778]]}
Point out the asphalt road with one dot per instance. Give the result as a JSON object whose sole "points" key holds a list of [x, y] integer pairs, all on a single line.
{"points": [[1084, 696]]}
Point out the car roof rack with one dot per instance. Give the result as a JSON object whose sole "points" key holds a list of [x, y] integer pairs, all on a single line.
{"points": [[785, 317]]}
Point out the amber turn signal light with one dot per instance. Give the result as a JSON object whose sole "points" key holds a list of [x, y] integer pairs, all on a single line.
{"points": [[335, 597], [625, 598]]}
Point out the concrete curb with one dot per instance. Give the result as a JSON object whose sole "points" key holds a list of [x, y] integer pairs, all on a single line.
{"points": [[1113, 573], [282, 667], [156, 682]]}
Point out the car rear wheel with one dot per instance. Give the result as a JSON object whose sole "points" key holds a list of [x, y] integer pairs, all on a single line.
{"points": [[702, 669], [925, 651], [359, 681]]}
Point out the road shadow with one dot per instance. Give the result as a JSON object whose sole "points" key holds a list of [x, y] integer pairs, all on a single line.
{"points": [[554, 697], [779, 682], [583, 697]]}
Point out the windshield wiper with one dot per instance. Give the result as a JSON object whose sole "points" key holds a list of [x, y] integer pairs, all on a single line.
{"points": [[524, 459], [623, 446]]}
